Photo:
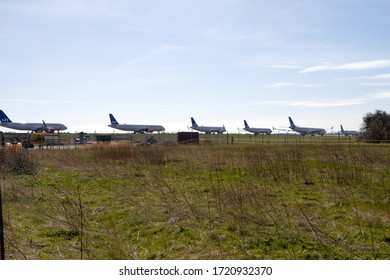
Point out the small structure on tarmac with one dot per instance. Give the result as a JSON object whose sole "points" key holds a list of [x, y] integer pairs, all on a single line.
{"points": [[150, 140], [83, 138], [188, 137], [103, 138], [42, 139]]}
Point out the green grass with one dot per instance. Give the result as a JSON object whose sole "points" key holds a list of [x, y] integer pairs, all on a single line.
{"points": [[274, 201]]}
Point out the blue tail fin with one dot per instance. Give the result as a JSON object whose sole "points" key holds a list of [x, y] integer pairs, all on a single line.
{"points": [[246, 124], [194, 124], [113, 120], [4, 118], [292, 125], [341, 126]]}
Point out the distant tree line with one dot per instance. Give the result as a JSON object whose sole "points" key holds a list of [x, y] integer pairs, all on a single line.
{"points": [[376, 126]]}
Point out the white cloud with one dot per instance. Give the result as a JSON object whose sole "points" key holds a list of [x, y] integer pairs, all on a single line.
{"points": [[317, 68], [363, 65], [360, 65], [315, 103], [375, 84], [327, 103], [382, 77], [381, 95]]}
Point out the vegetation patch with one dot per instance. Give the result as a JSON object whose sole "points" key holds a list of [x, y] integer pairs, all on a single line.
{"points": [[274, 201]]}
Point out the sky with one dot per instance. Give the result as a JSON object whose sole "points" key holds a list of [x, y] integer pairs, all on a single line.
{"points": [[161, 62]]}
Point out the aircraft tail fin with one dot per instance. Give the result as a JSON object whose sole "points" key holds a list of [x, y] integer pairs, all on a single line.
{"points": [[292, 125], [246, 124], [113, 120], [4, 118], [341, 126], [194, 124]]}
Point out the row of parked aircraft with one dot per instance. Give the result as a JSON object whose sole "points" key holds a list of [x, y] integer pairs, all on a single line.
{"points": [[137, 128], [301, 130]]}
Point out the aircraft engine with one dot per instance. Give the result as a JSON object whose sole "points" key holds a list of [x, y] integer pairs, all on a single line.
{"points": [[50, 130]]}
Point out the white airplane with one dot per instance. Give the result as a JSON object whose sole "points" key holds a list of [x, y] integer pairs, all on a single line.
{"points": [[306, 130], [255, 130], [348, 132], [136, 128], [207, 129], [36, 127]]}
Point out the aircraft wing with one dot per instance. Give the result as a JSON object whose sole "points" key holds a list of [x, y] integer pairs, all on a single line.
{"points": [[39, 129]]}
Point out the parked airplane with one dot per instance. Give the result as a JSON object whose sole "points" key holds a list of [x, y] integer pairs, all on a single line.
{"points": [[306, 130], [207, 129], [255, 130], [136, 128], [36, 127], [348, 132]]}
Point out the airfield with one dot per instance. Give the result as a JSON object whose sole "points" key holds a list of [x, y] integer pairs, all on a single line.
{"points": [[72, 140], [232, 196]]}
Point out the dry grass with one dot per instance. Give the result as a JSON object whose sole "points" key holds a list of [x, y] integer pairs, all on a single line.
{"points": [[297, 201]]}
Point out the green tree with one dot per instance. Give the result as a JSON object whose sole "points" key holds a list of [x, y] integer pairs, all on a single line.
{"points": [[376, 126]]}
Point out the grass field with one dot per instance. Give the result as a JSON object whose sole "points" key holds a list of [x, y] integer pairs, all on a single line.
{"points": [[275, 201]]}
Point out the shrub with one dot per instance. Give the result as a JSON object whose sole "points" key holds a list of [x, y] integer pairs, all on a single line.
{"points": [[17, 162], [376, 126]]}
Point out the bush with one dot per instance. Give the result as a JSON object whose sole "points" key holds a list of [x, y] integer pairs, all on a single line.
{"points": [[376, 126], [17, 162]]}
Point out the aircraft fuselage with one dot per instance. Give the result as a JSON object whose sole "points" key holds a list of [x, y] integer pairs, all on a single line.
{"points": [[259, 130], [309, 130], [209, 129], [33, 126], [138, 128]]}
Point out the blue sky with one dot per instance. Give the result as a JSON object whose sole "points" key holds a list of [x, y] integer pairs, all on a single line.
{"points": [[220, 61]]}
